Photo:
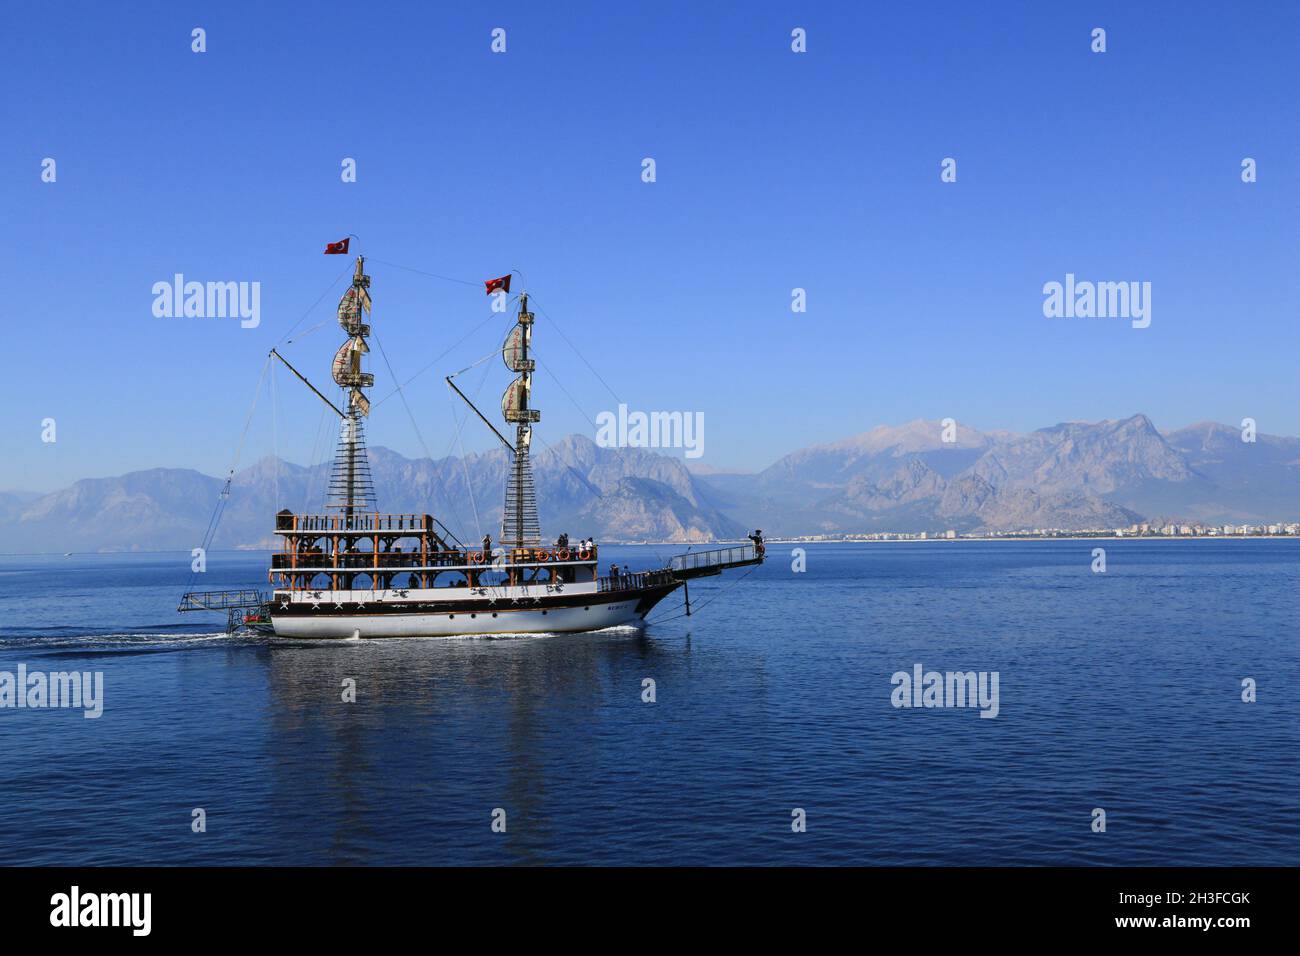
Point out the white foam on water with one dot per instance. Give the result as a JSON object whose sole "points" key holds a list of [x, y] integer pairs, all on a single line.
{"points": [[124, 639]]}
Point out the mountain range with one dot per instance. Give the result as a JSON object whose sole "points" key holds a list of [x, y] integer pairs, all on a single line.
{"points": [[1070, 476]]}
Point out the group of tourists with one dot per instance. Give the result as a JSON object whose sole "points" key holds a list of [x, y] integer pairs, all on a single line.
{"points": [[586, 544]]}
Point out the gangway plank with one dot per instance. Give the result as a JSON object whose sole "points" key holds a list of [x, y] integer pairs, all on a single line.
{"points": [[222, 600], [699, 564]]}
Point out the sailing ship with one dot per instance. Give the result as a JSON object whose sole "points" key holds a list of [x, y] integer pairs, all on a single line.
{"points": [[355, 572]]}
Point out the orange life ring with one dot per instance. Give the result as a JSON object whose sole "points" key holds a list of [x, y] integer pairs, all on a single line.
{"points": [[270, 577], [543, 555], [584, 554], [562, 554], [476, 557]]}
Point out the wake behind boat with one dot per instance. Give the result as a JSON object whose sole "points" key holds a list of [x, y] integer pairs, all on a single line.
{"points": [[352, 571]]}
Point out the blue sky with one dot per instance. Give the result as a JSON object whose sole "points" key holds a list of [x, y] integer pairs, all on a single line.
{"points": [[775, 170]]}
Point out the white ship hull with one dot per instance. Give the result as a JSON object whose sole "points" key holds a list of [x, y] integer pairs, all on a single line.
{"points": [[458, 612]]}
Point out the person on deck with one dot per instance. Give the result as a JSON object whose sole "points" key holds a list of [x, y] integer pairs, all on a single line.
{"points": [[487, 547], [757, 538], [613, 575]]}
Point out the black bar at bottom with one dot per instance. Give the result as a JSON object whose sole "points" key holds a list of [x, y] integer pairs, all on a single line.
{"points": [[334, 905]]}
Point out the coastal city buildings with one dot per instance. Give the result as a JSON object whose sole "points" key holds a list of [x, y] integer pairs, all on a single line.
{"points": [[1143, 530]]}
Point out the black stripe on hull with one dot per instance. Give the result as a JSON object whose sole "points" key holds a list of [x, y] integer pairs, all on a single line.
{"points": [[646, 599]]}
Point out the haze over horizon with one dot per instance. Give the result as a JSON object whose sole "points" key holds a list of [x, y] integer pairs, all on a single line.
{"points": [[926, 476], [776, 171], [703, 468]]}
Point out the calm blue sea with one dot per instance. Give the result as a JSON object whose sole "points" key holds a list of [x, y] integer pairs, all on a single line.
{"points": [[1119, 691]]}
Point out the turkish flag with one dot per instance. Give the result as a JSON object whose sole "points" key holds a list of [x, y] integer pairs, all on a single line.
{"points": [[498, 285], [337, 248]]}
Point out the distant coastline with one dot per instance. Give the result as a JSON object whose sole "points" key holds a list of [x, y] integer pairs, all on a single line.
{"points": [[1288, 531], [1072, 536], [1146, 532]]}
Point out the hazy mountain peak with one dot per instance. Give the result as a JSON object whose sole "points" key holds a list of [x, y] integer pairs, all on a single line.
{"points": [[896, 478], [916, 435]]}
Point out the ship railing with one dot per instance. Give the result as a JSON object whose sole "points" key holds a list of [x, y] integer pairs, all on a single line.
{"points": [[447, 536], [634, 580], [365, 560], [221, 600], [364, 379], [402, 523], [550, 554], [707, 559]]}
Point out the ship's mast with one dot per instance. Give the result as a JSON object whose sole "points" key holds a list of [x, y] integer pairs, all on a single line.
{"points": [[520, 527], [351, 487]]}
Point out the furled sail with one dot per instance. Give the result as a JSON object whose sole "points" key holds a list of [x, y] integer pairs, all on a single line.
{"points": [[360, 401], [515, 398], [342, 362], [514, 348], [350, 306], [347, 360]]}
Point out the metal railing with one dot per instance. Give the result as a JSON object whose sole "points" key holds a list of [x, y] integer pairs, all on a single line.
{"points": [[408, 523], [634, 580], [447, 536], [708, 559], [365, 560], [221, 600], [549, 554]]}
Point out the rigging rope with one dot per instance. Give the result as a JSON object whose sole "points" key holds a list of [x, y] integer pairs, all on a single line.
{"points": [[316, 327], [215, 520], [476, 362], [699, 607], [275, 441], [576, 352], [410, 414], [400, 389], [469, 487], [586, 482], [426, 368], [313, 306], [581, 410], [432, 275], [315, 460]]}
